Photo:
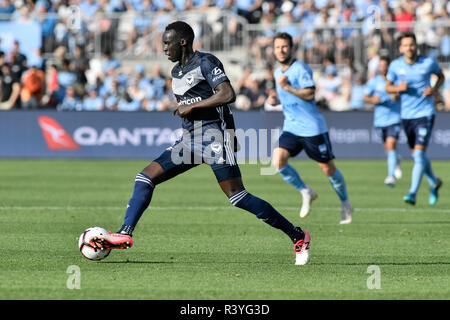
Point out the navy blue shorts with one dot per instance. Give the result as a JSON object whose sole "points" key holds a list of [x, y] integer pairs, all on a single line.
{"points": [[317, 147], [418, 131], [208, 144], [389, 131]]}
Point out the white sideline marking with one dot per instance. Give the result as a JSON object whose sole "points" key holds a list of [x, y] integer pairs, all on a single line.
{"points": [[212, 208]]}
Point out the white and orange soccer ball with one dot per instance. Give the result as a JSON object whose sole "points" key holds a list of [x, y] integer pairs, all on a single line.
{"points": [[88, 248]]}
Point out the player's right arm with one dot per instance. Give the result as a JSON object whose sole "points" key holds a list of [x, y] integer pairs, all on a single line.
{"points": [[223, 95], [393, 89], [391, 78], [369, 93]]}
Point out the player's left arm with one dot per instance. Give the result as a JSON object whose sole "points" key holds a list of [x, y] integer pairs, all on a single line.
{"points": [[430, 91], [223, 94], [302, 93]]}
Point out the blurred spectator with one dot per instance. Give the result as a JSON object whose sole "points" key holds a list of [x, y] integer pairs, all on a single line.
{"points": [[93, 102], [6, 7], [89, 8], [113, 96], [109, 62], [80, 65], [71, 102], [17, 59], [404, 17], [345, 34], [126, 103], [328, 92], [66, 78], [33, 88], [158, 82], [357, 93], [372, 64], [446, 95], [10, 88], [251, 95]]}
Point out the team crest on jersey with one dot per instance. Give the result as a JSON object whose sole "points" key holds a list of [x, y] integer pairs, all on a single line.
{"points": [[422, 132], [190, 79], [216, 147], [322, 148]]}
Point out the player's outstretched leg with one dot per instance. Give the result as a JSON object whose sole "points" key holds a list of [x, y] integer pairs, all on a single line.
{"points": [[142, 195], [265, 212], [241, 198]]}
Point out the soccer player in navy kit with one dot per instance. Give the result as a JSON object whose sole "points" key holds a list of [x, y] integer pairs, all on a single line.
{"points": [[203, 92], [409, 76], [304, 128], [386, 118]]}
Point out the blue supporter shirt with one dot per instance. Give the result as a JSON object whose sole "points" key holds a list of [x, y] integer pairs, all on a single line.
{"points": [[413, 104], [133, 105], [387, 112], [93, 104], [301, 117]]}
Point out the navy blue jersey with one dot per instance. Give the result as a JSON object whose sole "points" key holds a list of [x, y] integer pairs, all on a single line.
{"points": [[196, 81]]}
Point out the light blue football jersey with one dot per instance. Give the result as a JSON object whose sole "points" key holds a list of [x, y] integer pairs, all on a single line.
{"points": [[413, 104], [387, 112], [301, 117]]}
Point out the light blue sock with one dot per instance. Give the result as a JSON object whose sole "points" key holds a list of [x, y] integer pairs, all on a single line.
{"points": [[338, 184], [428, 170], [291, 176], [392, 161], [417, 171]]}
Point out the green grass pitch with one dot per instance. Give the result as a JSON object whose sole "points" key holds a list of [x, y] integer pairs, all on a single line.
{"points": [[192, 244]]}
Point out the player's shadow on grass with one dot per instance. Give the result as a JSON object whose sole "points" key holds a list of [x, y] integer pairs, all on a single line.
{"points": [[407, 222], [380, 263], [141, 262]]}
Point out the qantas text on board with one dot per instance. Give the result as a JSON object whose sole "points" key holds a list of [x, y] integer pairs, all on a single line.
{"points": [[89, 136]]}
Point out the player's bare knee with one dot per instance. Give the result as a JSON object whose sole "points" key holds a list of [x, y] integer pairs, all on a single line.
{"points": [[279, 160], [328, 169]]}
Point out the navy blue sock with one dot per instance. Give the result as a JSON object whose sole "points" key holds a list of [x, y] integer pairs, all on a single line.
{"points": [[142, 195], [265, 212]]}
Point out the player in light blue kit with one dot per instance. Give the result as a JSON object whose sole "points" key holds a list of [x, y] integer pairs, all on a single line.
{"points": [[386, 118], [304, 128], [410, 76]]}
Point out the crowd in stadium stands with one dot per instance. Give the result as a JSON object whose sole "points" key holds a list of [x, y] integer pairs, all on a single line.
{"points": [[57, 75]]}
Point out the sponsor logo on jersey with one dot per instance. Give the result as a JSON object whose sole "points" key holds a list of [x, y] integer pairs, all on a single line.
{"points": [[189, 101], [216, 71]]}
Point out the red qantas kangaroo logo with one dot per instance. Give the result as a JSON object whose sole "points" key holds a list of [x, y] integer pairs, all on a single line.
{"points": [[56, 136]]}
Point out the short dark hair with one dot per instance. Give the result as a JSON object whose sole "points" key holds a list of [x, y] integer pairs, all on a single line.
{"points": [[184, 30], [406, 34], [285, 36], [385, 58]]}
